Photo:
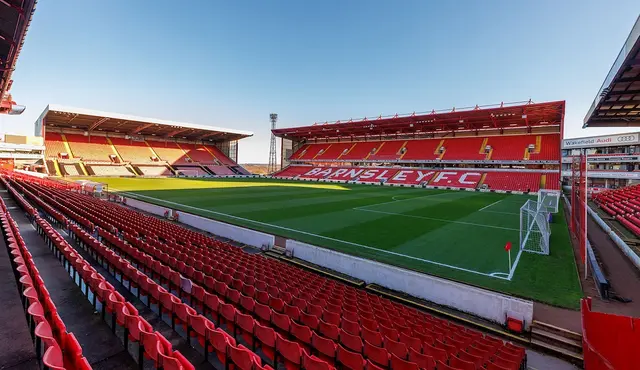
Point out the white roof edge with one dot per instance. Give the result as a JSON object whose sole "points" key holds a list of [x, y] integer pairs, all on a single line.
{"points": [[128, 117], [631, 40]]}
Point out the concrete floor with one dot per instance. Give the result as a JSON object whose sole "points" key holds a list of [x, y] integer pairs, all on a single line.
{"points": [[100, 346], [16, 348]]}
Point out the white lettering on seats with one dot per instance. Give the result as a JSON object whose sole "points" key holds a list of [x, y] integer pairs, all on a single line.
{"points": [[443, 176], [369, 174], [339, 172], [313, 171], [401, 175], [463, 178], [422, 175], [325, 172], [381, 176], [354, 172]]}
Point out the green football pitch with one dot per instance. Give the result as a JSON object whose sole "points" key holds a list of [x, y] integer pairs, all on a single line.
{"points": [[458, 235]]}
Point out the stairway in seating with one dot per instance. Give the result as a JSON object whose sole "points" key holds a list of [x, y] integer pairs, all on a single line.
{"points": [[66, 145], [56, 164], [557, 341], [437, 151], [321, 151], [215, 159], [484, 176], [347, 152], [402, 147], [84, 169], [543, 181]]}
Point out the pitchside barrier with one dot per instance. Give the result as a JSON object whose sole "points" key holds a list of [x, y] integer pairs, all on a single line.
{"points": [[480, 302], [609, 341]]}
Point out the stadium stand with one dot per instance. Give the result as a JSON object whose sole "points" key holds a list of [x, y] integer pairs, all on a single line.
{"points": [[388, 151], [421, 150], [467, 148], [170, 152], [94, 148], [361, 150], [520, 181], [504, 140], [198, 153], [220, 170], [145, 146], [334, 151], [508, 147], [108, 170], [154, 170], [548, 148], [284, 311], [622, 204], [513, 180], [134, 151], [292, 171], [55, 347]]}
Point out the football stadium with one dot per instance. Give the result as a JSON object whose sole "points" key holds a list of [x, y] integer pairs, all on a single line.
{"points": [[465, 238]]}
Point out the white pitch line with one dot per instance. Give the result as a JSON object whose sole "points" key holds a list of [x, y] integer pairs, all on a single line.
{"points": [[504, 213], [316, 235], [402, 200], [515, 264], [492, 204], [437, 219]]}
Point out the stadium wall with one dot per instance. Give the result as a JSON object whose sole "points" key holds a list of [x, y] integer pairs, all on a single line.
{"points": [[479, 302], [609, 340], [633, 257], [239, 234]]}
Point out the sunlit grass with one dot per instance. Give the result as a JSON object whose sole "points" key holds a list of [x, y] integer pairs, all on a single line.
{"points": [[443, 226], [176, 184]]}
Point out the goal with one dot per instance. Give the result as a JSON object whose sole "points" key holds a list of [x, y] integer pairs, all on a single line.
{"points": [[534, 227], [549, 200]]}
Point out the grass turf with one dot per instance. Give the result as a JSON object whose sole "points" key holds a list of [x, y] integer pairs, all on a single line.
{"points": [[462, 233]]}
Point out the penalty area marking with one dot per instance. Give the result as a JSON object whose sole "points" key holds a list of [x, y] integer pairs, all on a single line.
{"points": [[495, 275], [436, 219], [490, 205]]}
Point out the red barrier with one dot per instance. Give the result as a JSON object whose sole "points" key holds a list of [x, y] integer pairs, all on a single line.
{"points": [[609, 341]]}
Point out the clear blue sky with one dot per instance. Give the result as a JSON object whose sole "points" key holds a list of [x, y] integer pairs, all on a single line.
{"points": [[231, 63]]}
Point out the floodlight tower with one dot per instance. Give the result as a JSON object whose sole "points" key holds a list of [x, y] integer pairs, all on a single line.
{"points": [[272, 151]]}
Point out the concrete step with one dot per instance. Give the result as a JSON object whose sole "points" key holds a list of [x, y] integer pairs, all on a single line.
{"points": [[560, 352], [557, 331], [556, 339]]}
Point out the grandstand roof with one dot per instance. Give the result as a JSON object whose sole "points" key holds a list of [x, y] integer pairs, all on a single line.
{"points": [[512, 115], [16, 16], [617, 103], [92, 120]]}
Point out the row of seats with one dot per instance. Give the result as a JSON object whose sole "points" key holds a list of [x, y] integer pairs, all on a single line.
{"points": [[459, 178], [154, 170], [55, 347], [99, 148], [106, 299], [154, 345], [206, 258], [623, 204], [508, 147], [107, 170], [519, 181]]}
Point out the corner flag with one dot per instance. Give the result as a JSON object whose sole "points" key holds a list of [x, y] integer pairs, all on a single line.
{"points": [[507, 247]]}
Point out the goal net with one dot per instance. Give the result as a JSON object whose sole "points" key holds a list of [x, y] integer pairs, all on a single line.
{"points": [[549, 200], [534, 228]]}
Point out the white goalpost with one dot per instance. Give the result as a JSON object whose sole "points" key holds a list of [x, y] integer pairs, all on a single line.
{"points": [[534, 222]]}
